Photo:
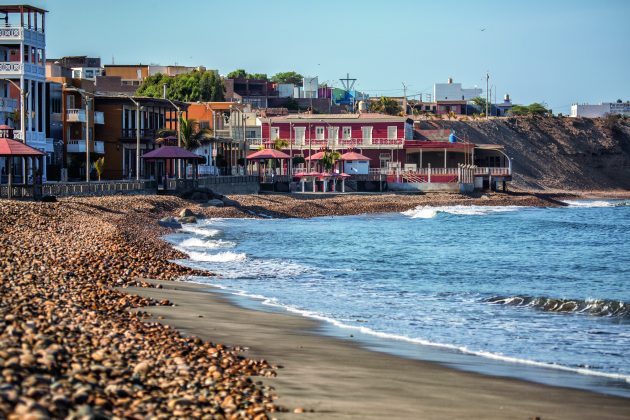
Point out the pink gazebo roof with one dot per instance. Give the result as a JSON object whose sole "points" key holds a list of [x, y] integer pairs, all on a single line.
{"points": [[316, 156], [10, 147], [268, 154], [353, 156], [170, 152]]}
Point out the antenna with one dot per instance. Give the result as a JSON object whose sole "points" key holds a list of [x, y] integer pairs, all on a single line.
{"points": [[347, 83]]}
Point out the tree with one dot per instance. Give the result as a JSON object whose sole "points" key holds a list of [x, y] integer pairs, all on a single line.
{"points": [[386, 106], [237, 74], [330, 158], [287, 77], [532, 109], [480, 103], [258, 76], [194, 86], [191, 134], [99, 165], [280, 144]]}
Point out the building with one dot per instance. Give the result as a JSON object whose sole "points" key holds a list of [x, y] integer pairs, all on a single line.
{"points": [[254, 92], [81, 67], [377, 136], [502, 109], [601, 110], [134, 74], [22, 69], [451, 97]]}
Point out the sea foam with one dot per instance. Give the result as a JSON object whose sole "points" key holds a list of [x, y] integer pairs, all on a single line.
{"points": [[429, 212]]}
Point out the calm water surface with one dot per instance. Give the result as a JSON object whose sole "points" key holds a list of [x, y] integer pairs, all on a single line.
{"points": [[544, 288]]}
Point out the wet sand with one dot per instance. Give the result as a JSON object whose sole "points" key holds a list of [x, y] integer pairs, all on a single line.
{"points": [[338, 379]]}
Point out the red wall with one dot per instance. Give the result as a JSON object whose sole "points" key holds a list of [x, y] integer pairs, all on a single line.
{"points": [[379, 130]]}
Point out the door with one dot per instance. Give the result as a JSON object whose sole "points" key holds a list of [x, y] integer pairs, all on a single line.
{"points": [[275, 133], [392, 132], [367, 134], [300, 135]]}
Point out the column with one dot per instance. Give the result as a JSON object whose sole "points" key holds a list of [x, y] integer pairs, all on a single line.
{"points": [[29, 101], [37, 106]]}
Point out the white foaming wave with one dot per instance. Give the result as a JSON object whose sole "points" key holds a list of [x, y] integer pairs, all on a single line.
{"points": [[429, 212], [589, 203], [221, 257], [390, 336], [200, 243], [199, 230]]}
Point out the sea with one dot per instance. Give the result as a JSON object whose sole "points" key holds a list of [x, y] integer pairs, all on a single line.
{"points": [[540, 294]]}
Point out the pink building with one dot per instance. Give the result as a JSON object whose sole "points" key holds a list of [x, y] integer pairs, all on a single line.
{"points": [[379, 137]]}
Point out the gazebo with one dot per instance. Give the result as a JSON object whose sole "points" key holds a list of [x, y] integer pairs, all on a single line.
{"points": [[266, 154], [355, 162], [10, 149], [170, 154]]}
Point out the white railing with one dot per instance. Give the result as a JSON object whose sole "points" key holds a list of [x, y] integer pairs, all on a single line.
{"points": [[502, 171], [11, 67], [78, 115], [78, 146], [254, 142], [223, 133], [373, 143]]}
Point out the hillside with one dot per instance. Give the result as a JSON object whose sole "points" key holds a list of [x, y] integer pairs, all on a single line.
{"points": [[556, 152]]}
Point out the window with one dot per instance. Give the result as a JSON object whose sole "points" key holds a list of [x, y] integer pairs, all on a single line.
{"points": [[76, 74], [367, 134], [347, 133], [319, 133], [300, 134], [204, 125], [392, 132], [275, 133], [70, 101], [333, 133]]}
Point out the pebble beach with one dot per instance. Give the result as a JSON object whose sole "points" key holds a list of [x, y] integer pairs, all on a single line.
{"points": [[72, 344]]}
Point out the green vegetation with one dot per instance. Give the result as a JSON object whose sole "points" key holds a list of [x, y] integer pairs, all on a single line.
{"points": [[330, 158], [287, 77], [532, 109], [242, 74], [280, 144], [386, 106], [189, 87], [99, 165], [298, 160], [480, 103], [191, 134]]}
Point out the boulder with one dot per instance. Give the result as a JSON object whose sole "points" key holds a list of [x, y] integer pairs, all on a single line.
{"points": [[187, 219], [169, 222], [49, 199], [215, 202], [186, 213], [230, 202]]}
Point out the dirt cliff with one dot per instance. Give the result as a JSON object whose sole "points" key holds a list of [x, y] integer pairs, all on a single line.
{"points": [[556, 152]]}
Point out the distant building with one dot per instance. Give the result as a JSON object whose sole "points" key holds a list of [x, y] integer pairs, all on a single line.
{"points": [[82, 67], [451, 97], [502, 109], [597, 111]]}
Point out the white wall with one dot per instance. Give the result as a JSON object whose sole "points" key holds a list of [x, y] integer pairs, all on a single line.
{"points": [[453, 92], [354, 167]]}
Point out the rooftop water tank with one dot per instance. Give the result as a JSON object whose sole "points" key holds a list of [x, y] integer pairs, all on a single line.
{"points": [[362, 107]]}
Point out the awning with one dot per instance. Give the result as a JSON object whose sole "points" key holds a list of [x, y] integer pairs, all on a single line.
{"points": [[171, 152], [10, 147], [354, 156], [268, 154]]}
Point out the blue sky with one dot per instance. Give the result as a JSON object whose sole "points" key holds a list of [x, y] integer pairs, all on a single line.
{"points": [[558, 52]]}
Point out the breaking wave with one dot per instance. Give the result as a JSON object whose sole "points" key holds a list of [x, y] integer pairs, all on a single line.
{"points": [[594, 307], [596, 203], [220, 257], [201, 243], [429, 212]]}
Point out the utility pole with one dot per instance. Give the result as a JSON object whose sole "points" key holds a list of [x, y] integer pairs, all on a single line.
{"points": [[404, 101], [487, 98]]}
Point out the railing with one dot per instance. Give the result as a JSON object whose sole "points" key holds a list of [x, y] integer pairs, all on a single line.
{"points": [[502, 171], [254, 142], [223, 133], [78, 115], [145, 133], [78, 188], [343, 143], [16, 68], [78, 146]]}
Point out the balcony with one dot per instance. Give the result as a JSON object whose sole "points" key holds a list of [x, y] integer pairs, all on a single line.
{"points": [[8, 104], [78, 115], [17, 69], [16, 33], [224, 134], [145, 134], [78, 146]]}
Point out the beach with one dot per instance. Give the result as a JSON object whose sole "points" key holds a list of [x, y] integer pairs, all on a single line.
{"points": [[72, 343]]}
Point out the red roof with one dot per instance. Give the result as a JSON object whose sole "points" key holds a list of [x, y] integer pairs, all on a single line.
{"points": [[354, 156], [268, 154], [170, 152], [9, 147], [316, 156]]}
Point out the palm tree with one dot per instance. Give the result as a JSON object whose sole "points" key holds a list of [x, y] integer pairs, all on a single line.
{"points": [[191, 133], [280, 144], [330, 158], [99, 165]]}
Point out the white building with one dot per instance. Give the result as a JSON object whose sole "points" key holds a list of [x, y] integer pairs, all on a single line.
{"points": [[597, 111], [22, 64], [453, 92], [88, 73]]}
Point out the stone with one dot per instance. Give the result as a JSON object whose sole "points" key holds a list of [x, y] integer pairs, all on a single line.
{"points": [[170, 222], [187, 220], [215, 202], [186, 213], [229, 202]]}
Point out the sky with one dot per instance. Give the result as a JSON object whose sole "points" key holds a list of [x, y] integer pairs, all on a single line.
{"points": [[556, 52]]}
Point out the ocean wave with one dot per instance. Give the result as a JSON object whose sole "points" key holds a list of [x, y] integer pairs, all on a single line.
{"points": [[595, 307], [200, 230], [273, 302], [597, 203], [429, 212], [200, 243], [220, 257]]}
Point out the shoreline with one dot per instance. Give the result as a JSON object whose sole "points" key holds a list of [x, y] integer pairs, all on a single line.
{"points": [[338, 378]]}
